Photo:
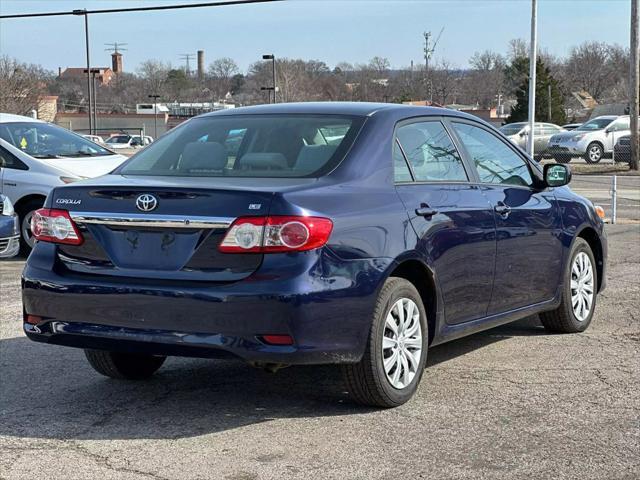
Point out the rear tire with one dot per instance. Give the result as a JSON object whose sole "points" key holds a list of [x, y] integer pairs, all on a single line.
{"points": [[25, 212], [129, 366], [371, 383], [567, 318]]}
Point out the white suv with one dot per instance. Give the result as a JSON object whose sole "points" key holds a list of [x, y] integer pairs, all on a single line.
{"points": [[36, 156], [592, 140]]}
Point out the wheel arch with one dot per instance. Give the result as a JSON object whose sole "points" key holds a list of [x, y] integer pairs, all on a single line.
{"points": [[422, 277], [19, 205], [590, 235]]}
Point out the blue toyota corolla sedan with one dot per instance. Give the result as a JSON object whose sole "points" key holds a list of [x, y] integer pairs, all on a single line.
{"points": [[319, 233]]}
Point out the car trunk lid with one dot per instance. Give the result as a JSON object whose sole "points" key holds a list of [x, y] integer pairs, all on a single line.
{"points": [[157, 231]]}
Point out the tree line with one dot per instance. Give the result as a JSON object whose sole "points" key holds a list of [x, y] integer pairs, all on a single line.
{"points": [[490, 78]]}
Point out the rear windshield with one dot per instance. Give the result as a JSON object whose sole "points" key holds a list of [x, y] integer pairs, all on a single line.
{"points": [[249, 146]]}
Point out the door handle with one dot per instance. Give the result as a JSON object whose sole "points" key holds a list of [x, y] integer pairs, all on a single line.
{"points": [[502, 210], [425, 211]]}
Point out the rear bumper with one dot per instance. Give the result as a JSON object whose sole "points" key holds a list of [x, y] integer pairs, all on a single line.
{"points": [[324, 303]]}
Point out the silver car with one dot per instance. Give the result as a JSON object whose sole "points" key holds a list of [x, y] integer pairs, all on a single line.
{"points": [[593, 140], [519, 132]]}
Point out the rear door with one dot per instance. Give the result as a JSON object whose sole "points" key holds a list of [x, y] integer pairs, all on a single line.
{"points": [[453, 220], [529, 247]]}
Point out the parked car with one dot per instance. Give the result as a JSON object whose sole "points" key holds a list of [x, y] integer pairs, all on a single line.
{"points": [[622, 149], [571, 126], [94, 138], [293, 250], [117, 142], [36, 156], [9, 229], [518, 133], [593, 140]]}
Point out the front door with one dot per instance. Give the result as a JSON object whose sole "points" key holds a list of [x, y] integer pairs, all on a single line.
{"points": [[453, 220], [528, 223]]}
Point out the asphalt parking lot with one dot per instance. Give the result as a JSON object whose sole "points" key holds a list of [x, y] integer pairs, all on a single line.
{"points": [[512, 402]]}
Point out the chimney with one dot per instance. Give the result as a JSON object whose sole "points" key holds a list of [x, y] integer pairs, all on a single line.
{"points": [[59, 72], [116, 62], [200, 64]]}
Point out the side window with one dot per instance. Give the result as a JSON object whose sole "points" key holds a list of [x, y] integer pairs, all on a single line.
{"points": [[621, 125], [431, 153], [7, 160], [400, 168], [495, 161]]}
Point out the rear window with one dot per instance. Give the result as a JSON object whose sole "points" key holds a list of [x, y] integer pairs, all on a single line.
{"points": [[249, 146]]}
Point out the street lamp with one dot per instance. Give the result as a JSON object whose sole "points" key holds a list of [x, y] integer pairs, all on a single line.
{"points": [[93, 72], [155, 115], [272, 57], [86, 39]]}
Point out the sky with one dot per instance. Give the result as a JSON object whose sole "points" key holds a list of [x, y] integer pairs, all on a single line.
{"points": [[330, 30]]}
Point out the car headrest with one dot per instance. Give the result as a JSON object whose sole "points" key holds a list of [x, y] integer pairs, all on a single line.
{"points": [[413, 141], [263, 161], [312, 157], [202, 157]]}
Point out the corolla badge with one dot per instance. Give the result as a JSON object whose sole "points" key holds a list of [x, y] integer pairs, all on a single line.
{"points": [[146, 202]]}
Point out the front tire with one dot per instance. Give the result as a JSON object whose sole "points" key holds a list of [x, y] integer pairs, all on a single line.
{"points": [[390, 370], [129, 366], [594, 153], [579, 296]]}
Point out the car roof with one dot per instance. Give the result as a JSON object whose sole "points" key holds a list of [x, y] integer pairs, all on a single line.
{"points": [[11, 118], [608, 117], [364, 109]]}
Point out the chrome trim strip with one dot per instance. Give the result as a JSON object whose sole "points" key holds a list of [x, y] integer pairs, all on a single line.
{"points": [[150, 220]]}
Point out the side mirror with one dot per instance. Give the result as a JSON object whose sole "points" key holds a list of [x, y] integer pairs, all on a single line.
{"points": [[557, 174], [609, 130]]}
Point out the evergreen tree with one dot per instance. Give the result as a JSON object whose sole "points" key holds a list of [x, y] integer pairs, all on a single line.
{"points": [[517, 73]]}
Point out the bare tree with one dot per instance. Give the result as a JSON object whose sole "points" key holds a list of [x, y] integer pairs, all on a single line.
{"points": [[221, 73], [154, 76], [486, 78], [445, 82], [21, 86], [590, 67]]}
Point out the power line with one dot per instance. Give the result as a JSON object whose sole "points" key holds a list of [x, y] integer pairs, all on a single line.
{"points": [[137, 9]]}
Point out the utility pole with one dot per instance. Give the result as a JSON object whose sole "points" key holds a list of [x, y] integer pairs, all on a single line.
{"points": [[634, 84], [86, 39], [532, 76], [549, 102], [187, 57], [428, 53], [155, 97]]}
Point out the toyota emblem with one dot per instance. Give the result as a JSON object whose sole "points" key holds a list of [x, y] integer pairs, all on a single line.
{"points": [[146, 202]]}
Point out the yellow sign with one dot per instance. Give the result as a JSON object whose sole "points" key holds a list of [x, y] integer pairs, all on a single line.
{"points": [[23, 143]]}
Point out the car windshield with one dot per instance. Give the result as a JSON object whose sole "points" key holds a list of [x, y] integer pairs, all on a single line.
{"points": [[118, 139], [44, 140], [512, 128], [249, 146], [595, 124]]}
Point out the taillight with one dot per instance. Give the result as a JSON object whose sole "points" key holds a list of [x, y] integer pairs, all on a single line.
{"points": [[56, 226], [276, 234]]}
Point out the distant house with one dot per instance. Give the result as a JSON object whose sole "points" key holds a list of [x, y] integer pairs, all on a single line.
{"points": [[104, 76]]}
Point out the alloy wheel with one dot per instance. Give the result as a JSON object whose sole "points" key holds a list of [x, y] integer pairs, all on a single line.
{"points": [[582, 286], [595, 153], [402, 343]]}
